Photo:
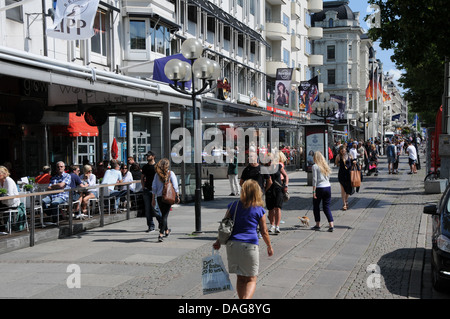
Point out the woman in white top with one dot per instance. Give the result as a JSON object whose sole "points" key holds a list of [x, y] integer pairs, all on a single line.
{"points": [[162, 175], [321, 190], [8, 183], [91, 179]]}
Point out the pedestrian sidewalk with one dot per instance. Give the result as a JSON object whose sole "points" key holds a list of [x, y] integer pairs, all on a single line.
{"points": [[121, 260]]}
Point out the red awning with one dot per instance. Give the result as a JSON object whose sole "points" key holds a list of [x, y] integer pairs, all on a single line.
{"points": [[77, 127]]}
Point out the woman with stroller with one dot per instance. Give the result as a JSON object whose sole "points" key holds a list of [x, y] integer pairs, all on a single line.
{"points": [[373, 160]]}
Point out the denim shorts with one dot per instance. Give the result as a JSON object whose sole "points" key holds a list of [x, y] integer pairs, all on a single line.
{"points": [[243, 258]]}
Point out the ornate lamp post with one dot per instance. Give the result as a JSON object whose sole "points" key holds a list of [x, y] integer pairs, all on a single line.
{"points": [[364, 121], [325, 108], [180, 72]]}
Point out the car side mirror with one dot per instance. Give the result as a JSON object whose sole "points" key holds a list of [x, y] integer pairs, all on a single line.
{"points": [[430, 209]]}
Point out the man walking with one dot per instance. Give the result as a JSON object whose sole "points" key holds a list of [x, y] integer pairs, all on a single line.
{"points": [[148, 174], [412, 155], [232, 174], [391, 153]]}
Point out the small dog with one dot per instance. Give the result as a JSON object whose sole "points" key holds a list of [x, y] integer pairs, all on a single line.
{"points": [[304, 220]]}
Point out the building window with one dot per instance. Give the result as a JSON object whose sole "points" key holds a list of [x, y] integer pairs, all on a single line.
{"points": [[350, 52], [137, 35], [331, 52], [86, 149], [16, 13], [286, 56], [331, 23], [99, 40], [332, 77]]}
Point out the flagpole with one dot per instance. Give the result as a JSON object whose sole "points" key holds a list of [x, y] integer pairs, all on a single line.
{"points": [[373, 103]]}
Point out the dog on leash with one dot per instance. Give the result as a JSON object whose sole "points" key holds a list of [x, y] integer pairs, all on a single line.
{"points": [[304, 220]]}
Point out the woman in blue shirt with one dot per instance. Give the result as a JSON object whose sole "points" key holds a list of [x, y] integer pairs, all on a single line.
{"points": [[242, 247]]}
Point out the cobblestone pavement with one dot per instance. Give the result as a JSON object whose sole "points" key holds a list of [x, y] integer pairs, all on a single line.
{"points": [[380, 249], [374, 253]]}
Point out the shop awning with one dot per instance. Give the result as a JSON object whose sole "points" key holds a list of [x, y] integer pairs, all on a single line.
{"points": [[77, 127]]}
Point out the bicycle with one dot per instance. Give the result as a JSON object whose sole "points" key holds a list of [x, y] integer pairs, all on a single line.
{"points": [[433, 175]]}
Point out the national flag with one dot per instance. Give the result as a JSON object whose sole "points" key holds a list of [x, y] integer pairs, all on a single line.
{"points": [[369, 89]]}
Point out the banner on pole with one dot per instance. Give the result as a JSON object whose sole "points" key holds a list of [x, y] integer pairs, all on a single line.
{"points": [[283, 86], [74, 19], [308, 94]]}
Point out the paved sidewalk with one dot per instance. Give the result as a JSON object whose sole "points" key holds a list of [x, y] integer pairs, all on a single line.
{"points": [[384, 230]]}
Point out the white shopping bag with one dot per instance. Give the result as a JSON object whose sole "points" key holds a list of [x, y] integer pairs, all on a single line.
{"points": [[215, 277]]}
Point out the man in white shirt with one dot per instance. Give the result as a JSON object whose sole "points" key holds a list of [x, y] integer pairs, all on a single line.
{"points": [[412, 155], [113, 176], [354, 150]]}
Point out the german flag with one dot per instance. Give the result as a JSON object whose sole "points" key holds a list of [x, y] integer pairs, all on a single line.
{"points": [[369, 89]]}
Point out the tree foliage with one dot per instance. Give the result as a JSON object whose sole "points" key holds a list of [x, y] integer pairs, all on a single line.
{"points": [[418, 31]]}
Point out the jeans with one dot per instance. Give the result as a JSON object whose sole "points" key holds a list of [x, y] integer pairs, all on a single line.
{"points": [[323, 195], [48, 202], [151, 211], [165, 209], [117, 195]]}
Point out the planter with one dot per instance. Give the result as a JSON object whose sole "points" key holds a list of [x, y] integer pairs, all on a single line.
{"points": [[435, 186]]}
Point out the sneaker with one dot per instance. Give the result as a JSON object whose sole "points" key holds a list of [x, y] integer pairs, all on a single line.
{"points": [[150, 230], [315, 228], [272, 229], [160, 239], [331, 229], [277, 230]]}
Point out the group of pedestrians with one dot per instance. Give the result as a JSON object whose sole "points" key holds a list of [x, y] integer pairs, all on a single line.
{"points": [[272, 181]]}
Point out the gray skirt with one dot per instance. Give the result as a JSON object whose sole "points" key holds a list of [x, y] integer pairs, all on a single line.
{"points": [[243, 258]]}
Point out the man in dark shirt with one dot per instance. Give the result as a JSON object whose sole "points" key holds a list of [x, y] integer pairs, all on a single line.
{"points": [[76, 182], [148, 173], [253, 171]]}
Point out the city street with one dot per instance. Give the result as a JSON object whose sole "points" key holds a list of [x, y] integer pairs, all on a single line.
{"points": [[380, 249]]}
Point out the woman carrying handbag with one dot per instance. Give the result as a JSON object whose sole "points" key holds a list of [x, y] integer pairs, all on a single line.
{"points": [[163, 176], [242, 246]]}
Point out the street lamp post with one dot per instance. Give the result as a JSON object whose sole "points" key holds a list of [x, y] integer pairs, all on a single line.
{"points": [[325, 108], [180, 72], [364, 120]]}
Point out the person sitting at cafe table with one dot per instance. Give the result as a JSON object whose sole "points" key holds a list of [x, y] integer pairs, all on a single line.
{"points": [[44, 178], [113, 176], [76, 182], [8, 183], [89, 178], [61, 180]]}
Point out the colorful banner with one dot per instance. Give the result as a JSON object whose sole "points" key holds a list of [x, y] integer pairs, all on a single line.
{"points": [[342, 103], [74, 19], [282, 87], [308, 94]]}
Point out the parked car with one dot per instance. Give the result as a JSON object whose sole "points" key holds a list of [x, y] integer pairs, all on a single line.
{"points": [[440, 260]]}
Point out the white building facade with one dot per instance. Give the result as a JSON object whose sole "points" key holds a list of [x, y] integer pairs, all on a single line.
{"points": [[113, 72]]}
